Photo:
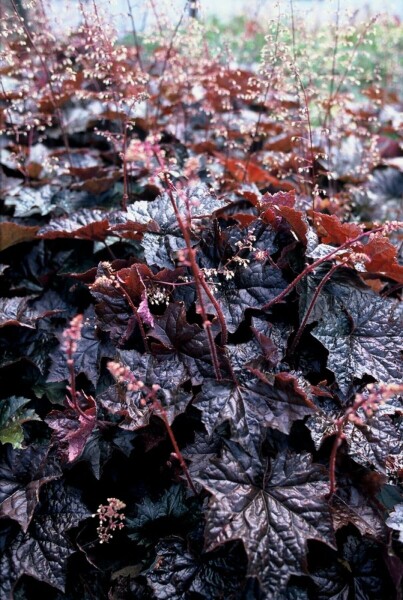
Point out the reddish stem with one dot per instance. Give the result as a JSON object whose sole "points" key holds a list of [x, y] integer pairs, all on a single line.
{"points": [[135, 36], [135, 312], [200, 282], [125, 196], [49, 81], [333, 455], [311, 306], [158, 406], [74, 403], [315, 264]]}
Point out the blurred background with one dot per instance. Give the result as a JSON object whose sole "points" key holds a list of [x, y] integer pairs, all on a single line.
{"points": [[66, 14]]}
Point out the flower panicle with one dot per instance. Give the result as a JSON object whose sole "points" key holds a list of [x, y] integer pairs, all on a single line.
{"points": [[110, 519]]}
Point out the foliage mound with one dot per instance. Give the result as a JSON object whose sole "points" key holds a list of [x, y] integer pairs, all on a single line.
{"points": [[200, 321]]}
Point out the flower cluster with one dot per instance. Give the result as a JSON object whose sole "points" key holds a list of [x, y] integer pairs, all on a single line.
{"points": [[370, 400], [71, 336], [110, 519], [123, 374]]}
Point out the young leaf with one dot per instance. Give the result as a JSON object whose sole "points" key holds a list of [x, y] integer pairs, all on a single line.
{"points": [[72, 427], [12, 416], [383, 260], [332, 230]]}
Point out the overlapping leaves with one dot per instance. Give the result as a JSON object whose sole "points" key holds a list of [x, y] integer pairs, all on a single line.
{"points": [[273, 505], [362, 333], [42, 551], [253, 405]]}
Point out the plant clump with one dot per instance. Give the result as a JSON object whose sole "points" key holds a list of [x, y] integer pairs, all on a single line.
{"points": [[200, 309]]}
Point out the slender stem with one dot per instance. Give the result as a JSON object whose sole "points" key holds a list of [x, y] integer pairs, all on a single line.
{"points": [[197, 273], [293, 32], [136, 314], [125, 196], [352, 57], [198, 278], [156, 15], [135, 36], [168, 54], [308, 114], [328, 115], [220, 315], [74, 403], [318, 290], [333, 76], [393, 289], [316, 264], [158, 406], [368, 404], [333, 455], [49, 81], [73, 391], [269, 87], [311, 157]]}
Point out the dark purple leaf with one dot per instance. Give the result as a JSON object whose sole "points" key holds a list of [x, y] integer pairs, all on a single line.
{"points": [[162, 242], [352, 506], [362, 333], [43, 550], [22, 474], [178, 573], [274, 507], [253, 286], [17, 311], [371, 444], [31, 201], [359, 573], [276, 404], [163, 369], [97, 452], [187, 340], [199, 200], [173, 511], [85, 224], [88, 356], [116, 400]]}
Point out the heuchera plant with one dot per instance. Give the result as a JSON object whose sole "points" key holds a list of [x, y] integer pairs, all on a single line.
{"points": [[200, 325]]}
